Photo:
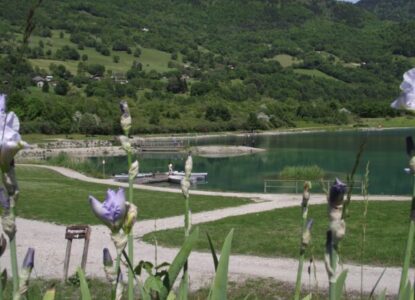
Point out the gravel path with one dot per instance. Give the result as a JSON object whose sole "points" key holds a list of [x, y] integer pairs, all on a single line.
{"points": [[48, 240]]}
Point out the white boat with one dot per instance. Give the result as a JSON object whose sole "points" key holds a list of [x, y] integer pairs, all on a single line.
{"points": [[177, 177], [198, 176]]}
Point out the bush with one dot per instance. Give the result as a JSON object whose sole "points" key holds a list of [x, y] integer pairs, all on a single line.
{"points": [[302, 173], [62, 87]]}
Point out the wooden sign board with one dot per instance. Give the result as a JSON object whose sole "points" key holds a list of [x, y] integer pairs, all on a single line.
{"points": [[71, 233], [77, 232]]}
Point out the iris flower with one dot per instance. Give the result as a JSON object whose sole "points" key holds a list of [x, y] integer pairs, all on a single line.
{"points": [[10, 139], [406, 100], [29, 259], [112, 211], [4, 200], [337, 191]]}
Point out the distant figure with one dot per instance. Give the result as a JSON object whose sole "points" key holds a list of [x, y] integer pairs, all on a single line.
{"points": [[170, 168]]}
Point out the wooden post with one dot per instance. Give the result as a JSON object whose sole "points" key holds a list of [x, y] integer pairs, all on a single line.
{"points": [[67, 258], [76, 232]]}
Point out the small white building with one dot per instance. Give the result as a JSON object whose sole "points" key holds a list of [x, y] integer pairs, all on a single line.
{"points": [[39, 81]]}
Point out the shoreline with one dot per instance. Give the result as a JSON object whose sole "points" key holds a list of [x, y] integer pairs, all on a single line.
{"points": [[192, 136]]}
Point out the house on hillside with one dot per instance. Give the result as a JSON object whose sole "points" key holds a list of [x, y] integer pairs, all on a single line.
{"points": [[39, 81]]}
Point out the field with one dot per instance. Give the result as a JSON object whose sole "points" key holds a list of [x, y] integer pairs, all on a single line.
{"points": [[286, 60], [151, 59], [46, 195], [314, 73], [277, 233]]}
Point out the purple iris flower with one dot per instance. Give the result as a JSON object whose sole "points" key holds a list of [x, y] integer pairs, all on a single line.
{"points": [[10, 139], [29, 259], [112, 211], [406, 100], [337, 191], [4, 200], [107, 259]]}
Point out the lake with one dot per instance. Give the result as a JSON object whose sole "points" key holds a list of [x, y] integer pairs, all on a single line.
{"points": [[335, 152]]}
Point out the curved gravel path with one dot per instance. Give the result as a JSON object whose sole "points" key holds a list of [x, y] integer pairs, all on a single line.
{"points": [[48, 240]]}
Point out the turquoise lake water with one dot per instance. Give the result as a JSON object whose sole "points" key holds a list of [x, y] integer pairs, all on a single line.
{"points": [[335, 152]]}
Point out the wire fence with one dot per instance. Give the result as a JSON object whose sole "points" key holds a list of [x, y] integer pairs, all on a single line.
{"points": [[296, 186]]}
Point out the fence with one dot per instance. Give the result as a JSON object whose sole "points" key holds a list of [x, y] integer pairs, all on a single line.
{"points": [[296, 186]]}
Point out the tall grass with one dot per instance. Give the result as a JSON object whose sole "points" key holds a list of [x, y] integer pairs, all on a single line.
{"points": [[80, 164], [313, 172]]}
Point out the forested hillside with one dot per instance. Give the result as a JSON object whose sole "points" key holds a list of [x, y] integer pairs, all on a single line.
{"points": [[200, 65], [397, 10]]}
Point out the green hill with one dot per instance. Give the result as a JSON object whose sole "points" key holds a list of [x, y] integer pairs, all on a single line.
{"points": [[200, 65], [397, 10]]}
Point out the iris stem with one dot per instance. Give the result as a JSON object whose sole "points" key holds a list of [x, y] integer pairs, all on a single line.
{"points": [[302, 256], [130, 235], [1, 287], [117, 270], [13, 257], [409, 245], [333, 265], [186, 228]]}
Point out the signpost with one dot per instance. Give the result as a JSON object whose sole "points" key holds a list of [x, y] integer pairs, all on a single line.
{"points": [[76, 232]]}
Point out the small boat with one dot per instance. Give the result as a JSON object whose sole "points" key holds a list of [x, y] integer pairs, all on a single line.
{"points": [[177, 177], [124, 177], [198, 176]]}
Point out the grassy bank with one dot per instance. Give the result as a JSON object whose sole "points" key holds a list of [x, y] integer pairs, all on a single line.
{"points": [[48, 196], [262, 233], [250, 289]]}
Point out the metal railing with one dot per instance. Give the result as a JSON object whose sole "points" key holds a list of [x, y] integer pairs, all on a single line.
{"points": [[296, 186]]}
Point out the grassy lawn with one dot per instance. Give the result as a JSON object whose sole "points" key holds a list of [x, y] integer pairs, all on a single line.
{"points": [[408, 121], [45, 138], [49, 196], [314, 73], [286, 60], [276, 233]]}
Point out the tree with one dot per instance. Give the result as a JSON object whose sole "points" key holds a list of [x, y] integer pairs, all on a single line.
{"points": [[62, 87], [95, 69], [137, 52], [45, 87], [89, 123], [177, 85], [116, 59]]}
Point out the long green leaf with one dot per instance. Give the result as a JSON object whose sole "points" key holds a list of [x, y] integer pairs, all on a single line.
{"points": [[220, 283], [340, 284], [178, 263], [212, 250], [407, 293], [144, 294], [382, 296], [184, 287], [86, 295], [50, 294], [308, 297]]}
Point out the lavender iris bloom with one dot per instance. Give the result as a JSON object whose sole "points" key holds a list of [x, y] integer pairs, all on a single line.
{"points": [[10, 139], [112, 211], [29, 259], [337, 191], [406, 100], [4, 200], [107, 259]]}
